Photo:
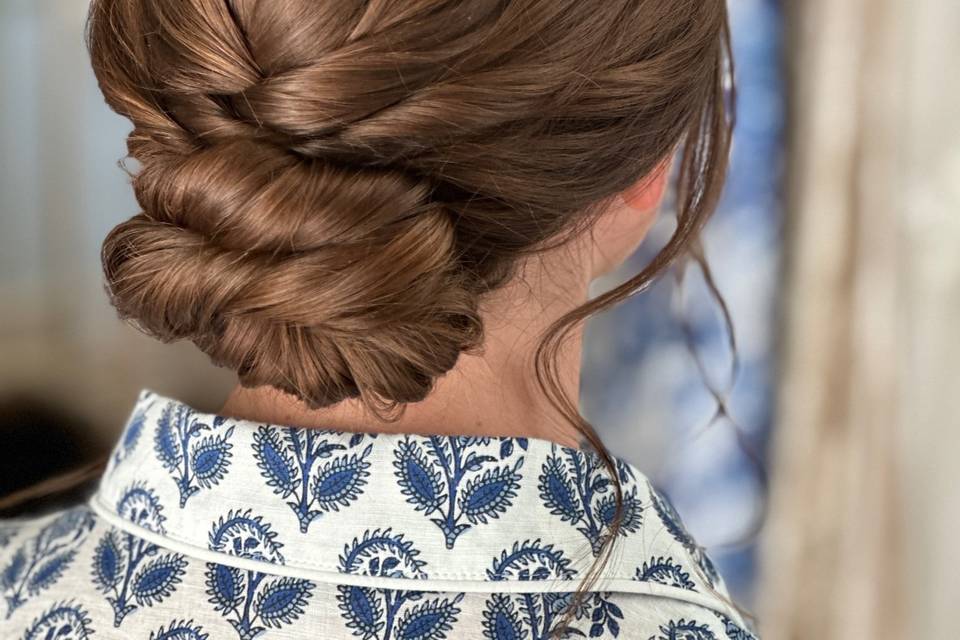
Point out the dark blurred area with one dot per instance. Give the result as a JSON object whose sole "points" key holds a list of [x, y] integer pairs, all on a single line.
{"points": [[41, 441]]}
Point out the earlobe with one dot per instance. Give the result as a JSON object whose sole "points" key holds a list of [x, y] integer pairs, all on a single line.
{"points": [[648, 192]]}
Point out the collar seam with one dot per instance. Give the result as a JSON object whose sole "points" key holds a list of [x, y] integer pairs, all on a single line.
{"points": [[443, 583]]}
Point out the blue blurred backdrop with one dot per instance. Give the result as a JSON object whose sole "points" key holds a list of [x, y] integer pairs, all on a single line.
{"points": [[641, 385]]}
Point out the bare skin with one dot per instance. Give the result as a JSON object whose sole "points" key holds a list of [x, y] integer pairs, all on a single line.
{"points": [[495, 392]]}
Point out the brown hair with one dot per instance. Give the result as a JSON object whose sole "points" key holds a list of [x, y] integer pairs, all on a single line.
{"points": [[328, 189]]}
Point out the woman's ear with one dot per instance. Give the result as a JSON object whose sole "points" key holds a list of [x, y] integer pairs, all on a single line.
{"points": [[648, 192], [621, 229]]}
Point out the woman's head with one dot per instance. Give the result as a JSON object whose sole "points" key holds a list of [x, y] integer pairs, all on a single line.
{"points": [[329, 189]]}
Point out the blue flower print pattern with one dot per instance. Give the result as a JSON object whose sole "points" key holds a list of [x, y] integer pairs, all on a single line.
{"points": [[734, 631], [7, 533], [180, 630], [63, 621], [250, 600], [534, 615], [196, 454], [129, 570], [40, 562], [312, 474], [386, 614], [684, 630], [665, 571], [674, 525], [457, 478], [574, 485], [133, 431]]}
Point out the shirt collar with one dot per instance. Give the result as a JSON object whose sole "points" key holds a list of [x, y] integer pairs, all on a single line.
{"points": [[452, 513]]}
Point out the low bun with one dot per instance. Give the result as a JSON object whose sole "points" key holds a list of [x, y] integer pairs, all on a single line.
{"points": [[324, 283], [328, 189]]}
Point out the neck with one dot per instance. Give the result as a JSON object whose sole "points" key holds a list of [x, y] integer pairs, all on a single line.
{"points": [[490, 393]]}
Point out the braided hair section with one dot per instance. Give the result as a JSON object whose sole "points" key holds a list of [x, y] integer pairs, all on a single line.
{"points": [[328, 189]]}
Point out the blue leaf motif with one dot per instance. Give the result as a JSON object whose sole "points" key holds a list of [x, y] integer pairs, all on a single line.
{"points": [[421, 484], [685, 630], [706, 565], [607, 510], [501, 620], [606, 616], [356, 439], [132, 432], [180, 630], [7, 532], [14, 569], [670, 518], [63, 621], [339, 482], [632, 515], [475, 462], [225, 585], [734, 631], [429, 620], [140, 505], [445, 476], [128, 569], [574, 485], [247, 536], [157, 579], [625, 472], [489, 495], [531, 560], [292, 468], [72, 525], [282, 601], [251, 600], [382, 553], [276, 465], [672, 522], [535, 615], [211, 457], [40, 562], [557, 492], [195, 463], [108, 562], [375, 614], [165, 439], [49, 572], [363, 609], [665, 571]]}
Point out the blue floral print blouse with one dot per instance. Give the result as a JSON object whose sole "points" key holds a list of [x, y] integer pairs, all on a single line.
{"points": [[205, 527]]}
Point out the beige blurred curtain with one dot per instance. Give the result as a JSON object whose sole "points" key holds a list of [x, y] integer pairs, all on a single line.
{"points": [[860, 542]]}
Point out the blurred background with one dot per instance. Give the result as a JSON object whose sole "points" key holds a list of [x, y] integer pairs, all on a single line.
{"points": [[837, 249]]}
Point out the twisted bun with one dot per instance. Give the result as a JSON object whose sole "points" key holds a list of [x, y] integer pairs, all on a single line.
{"points": [[327, 189], [324, 283]]}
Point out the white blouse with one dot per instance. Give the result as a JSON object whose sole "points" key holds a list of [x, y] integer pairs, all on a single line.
{"points": [[205, 527]]}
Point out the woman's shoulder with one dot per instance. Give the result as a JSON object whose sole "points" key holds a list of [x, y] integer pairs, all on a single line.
{"points": [[70, 570], [364, 535], [38, 557]]}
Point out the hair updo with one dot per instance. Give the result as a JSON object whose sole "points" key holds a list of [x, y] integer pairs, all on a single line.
{"points": [[329, 188]]}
